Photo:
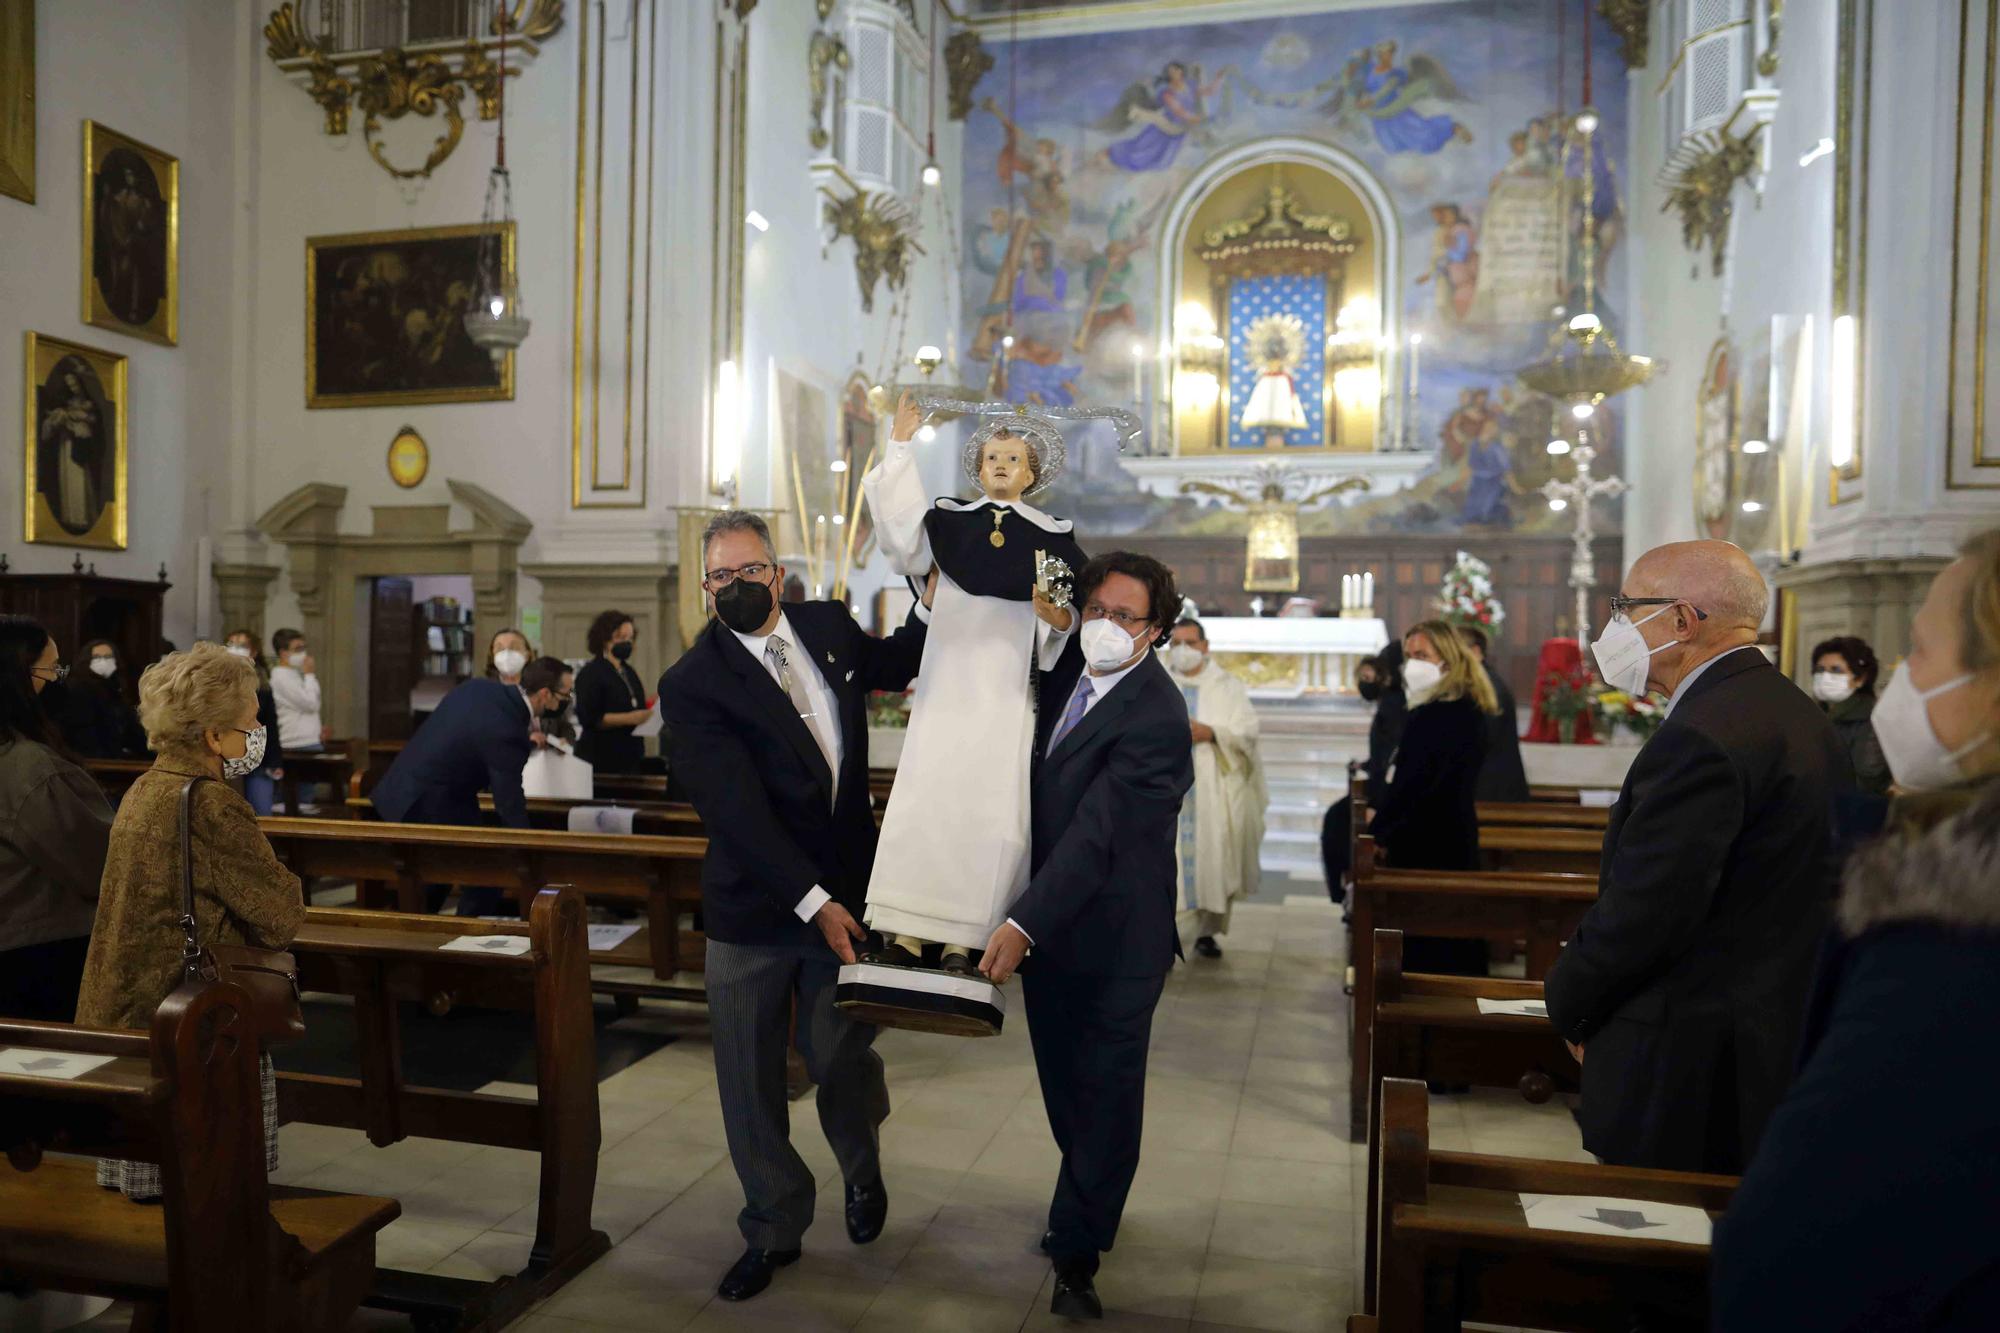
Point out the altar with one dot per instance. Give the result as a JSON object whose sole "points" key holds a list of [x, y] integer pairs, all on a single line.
{"points": [[1286, 657]]}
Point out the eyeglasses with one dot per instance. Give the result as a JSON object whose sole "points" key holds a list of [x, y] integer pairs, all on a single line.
{"points": [[61, 670], [722, 578], [1622, 606], [1121, 619]]}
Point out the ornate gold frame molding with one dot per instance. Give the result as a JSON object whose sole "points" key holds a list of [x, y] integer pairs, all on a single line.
{"points": [[1631, 20], [883, 232], [1698, 181], [393, 82]]}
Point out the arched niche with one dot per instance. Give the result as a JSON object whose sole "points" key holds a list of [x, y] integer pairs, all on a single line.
{"points": [[1322, 179]]}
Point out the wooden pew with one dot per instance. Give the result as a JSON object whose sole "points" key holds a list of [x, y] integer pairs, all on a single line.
{"points": [[1534, 814], [1514, 847], [333, 768], [1456, 1245], [116, 776], [224, 1249], [391, 864], [1541, 909], [653, 818], [382, 958], [1429, 1028]]}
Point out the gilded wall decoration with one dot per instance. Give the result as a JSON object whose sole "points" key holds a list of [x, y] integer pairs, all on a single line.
{"points": [[17, 99], [1629, 19], [880, 225], [966, 61], [131, 236], [1699, 180], [385, 319], [74, 445], [823, 51]]}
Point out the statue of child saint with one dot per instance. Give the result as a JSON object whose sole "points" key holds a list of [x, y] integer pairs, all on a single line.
{"points": [[954, 847]]}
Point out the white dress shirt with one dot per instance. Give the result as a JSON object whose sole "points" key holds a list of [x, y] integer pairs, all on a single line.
{"points": [[799, 658]]}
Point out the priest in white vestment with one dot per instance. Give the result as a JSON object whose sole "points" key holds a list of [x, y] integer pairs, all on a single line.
{"points": [[954, 846], [1222, 819]]}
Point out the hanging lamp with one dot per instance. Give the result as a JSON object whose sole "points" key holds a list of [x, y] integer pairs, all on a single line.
{"points": [[495, 320]]}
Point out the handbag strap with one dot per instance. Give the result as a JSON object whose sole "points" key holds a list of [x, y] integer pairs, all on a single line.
{"points": [[191, 942]]}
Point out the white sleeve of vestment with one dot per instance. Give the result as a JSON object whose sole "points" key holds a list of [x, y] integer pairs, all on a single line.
{"points": [[898, 503], [1234, 722]]}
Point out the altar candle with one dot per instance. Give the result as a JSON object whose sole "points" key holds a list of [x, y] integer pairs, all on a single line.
{"points": [[1347, 592], [819, 554], [1416, 345], [1138, 360], [1368, 590]]}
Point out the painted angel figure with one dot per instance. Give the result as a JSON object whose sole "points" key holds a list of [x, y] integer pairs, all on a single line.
{"points": [[954, 845], [1166, 110], [1389, 94]]}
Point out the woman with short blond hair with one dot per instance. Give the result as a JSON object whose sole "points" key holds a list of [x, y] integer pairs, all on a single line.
{"points": [[199, 709]]}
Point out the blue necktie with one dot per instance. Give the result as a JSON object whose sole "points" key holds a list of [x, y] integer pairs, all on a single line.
{"points": [[1078, 702]]}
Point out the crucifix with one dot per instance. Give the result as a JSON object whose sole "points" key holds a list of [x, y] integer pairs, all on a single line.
{"points": [[1578, 494]]}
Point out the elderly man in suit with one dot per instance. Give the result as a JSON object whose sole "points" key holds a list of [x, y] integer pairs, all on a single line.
{"points": [[1685, 985], [1114, 761], [476, 740], [769, 736]]}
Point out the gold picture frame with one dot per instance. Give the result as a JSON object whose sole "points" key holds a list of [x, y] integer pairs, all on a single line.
{"points": [[409, 458], [75, 495], [131, 236], [17, 99], [368, 293]]}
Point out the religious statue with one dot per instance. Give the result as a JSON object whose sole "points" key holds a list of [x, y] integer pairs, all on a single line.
{"points": [[1277, 345]]}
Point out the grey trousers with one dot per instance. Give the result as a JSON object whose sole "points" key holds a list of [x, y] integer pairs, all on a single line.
{"points": [[750, 993]]}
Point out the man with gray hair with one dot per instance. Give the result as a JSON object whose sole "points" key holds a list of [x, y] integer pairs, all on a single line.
{"points": [[766, 714], [1683, 990]]}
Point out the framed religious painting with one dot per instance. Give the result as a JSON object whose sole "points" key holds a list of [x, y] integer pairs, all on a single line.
{"points": [[74, 445], [385, 318], [131, 236], [17, 99]]}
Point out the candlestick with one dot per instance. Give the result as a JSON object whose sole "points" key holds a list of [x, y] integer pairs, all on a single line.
{"points": [[1347, 592], [1368, 590]]}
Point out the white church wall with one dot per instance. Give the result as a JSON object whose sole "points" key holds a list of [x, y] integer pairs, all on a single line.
{"points": [[165, 82]]}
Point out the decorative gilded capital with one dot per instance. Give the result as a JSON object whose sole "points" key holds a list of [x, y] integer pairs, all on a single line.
{"points": [[1774, 25], [1628, 18], [1699, 180], [882, 230], [966, 61]]}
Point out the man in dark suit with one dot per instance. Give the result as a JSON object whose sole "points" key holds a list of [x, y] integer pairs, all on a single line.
{"points": [[768, 733], [476, 740], [1113, 762], [1684, 987]]}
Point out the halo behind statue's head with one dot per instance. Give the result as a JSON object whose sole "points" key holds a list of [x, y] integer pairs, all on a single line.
{"points": [[1039, 434]]}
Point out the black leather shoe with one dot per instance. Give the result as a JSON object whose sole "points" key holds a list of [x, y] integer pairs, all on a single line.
{"points": [[893, 955], [958, 964], [752, 1273], [1047, 1243], [1207, 947], [1076, 1294], [867, 1206]]}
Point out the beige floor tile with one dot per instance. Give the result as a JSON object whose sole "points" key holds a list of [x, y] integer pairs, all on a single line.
{"points": [[906, 1308], [414, 1245], [700, 1224], [1168, 1170], [801, 1297], [1137, 1280], [462, 1199], [1168, 1222], [999, 1203], [965, 1259], [1287, 1184], [1314, 1237], [635, 1289], [1258, 1134], [664, 1167], [495, 1254], [1245, 1293], [616, 1210], [1019, 1157], [936, 1148], [936, 1106]]}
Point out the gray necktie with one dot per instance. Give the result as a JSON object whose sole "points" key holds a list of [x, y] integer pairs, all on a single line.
{"points": [[789, 682]]}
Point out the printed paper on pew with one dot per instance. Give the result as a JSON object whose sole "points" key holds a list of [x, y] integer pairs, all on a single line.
{"points": [[1601, 797], [48, 1064], [655, 722], [549, 774], [600, 819], [514, 945], [603, 939], [1597, 1216], [1525, 1008]]}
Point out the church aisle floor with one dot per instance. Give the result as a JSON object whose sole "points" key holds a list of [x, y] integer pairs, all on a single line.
{"points": [[1244, 1213]]}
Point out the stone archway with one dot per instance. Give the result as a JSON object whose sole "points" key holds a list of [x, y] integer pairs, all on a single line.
{"points": [[325, 566]]}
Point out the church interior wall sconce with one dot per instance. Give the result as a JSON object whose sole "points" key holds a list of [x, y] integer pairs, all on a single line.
{"points": [[966, 61], [1699, 179], [1630, 20], [881, 227], [391, 62]]}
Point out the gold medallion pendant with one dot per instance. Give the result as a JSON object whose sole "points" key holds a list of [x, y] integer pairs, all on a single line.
{"points": [[995, 536]]}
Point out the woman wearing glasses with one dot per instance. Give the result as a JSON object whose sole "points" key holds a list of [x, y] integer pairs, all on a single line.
{"points": [[54, 827]]}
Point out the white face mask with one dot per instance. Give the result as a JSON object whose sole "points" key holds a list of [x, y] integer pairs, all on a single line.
{"points": [[246, 763], [509, 662], [1622, 654], [293, 660], [1420, 680], [238, 650], [1917, 758], [106, 667], [1185, 658], [1832, 687], [1105, 646]]}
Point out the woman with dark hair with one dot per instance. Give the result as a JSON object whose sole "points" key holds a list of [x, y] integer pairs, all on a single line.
{"points": [[54, 828], [1845, 670], [96, 720], [1427, 817], [610, 698], [261, 787]]}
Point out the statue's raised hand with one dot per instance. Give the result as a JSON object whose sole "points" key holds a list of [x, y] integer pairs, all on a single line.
{"points": [[908, 417]]}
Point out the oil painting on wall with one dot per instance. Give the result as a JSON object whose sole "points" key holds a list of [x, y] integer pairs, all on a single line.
{"points": [[1081, 150], [74, 488]]}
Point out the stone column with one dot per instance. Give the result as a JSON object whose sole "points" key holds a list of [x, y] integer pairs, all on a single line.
{"points": [[244, 589]]}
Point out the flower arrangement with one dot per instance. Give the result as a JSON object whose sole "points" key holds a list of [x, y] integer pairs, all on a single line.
{"points": [[889, 708], [1615, 710], [1566, 697], [1467, 595]]}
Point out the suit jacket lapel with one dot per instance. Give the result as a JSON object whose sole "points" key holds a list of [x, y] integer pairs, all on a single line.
{"points": [[1098, 718], [775, 702]]}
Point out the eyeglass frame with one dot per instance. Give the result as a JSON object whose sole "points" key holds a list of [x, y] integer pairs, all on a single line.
{"points": [[1622, 606], [714, 580], [1131, 624], [61, 669]]}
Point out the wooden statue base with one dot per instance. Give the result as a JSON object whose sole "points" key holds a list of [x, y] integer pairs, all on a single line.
{"points": [[921, 999]]}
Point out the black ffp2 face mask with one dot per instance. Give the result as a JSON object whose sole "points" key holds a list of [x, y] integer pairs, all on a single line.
{"points": [[744, 606], [621, 651], [1369, 690]]}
